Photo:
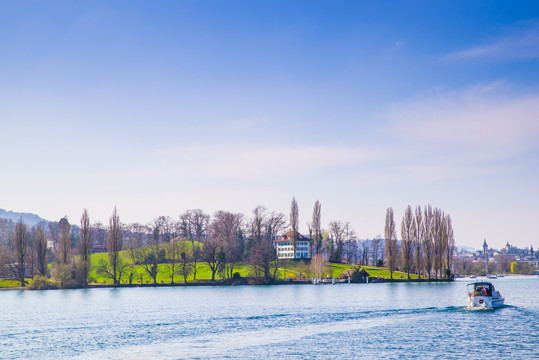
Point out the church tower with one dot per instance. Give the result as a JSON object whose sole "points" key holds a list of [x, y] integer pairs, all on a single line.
{"points": [[485, 250]]}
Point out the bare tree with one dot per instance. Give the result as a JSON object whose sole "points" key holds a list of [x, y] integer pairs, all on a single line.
{"points": [[317, 227], [417, 234], [152, 251], [407, 240], [20, 241], [438, 241], [375, 249], [450, 245], [260, 251], [210, 250], [318, 265], [85, 245], [186, 265], [173, 252], [64, 241], [198, 223], [226, 228], [391, 249], [294, 222], [114, 244], [41, 250], [427, 238], [275, 225], [99, 233], [338, 230]]}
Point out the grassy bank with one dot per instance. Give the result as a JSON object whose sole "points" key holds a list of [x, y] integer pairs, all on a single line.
{"points": [[292, 269]]}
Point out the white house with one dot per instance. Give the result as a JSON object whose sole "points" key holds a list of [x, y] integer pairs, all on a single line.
{"points": [[286, 249]]}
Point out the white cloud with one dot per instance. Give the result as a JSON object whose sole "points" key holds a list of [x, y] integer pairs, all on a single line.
{"points": [[476, 123], [521, 43]]}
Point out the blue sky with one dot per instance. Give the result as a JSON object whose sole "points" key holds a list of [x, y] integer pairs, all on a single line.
{"points": [[159, 107]]}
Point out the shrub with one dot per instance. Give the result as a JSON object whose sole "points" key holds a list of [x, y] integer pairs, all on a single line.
{"points": [[41, 283]]}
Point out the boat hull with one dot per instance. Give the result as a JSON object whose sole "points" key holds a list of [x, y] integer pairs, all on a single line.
{"points": [[484, 302]]}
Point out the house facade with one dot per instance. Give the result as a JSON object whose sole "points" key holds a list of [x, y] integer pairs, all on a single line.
{"points": [[286, 249]]}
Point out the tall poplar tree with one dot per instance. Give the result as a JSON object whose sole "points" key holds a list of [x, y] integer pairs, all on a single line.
{"points": [[407, 231], [64, 240], [85, 245], [41, 250], [317, 227], [391, 249], [294, 219], [20, 241], [114, 244]]}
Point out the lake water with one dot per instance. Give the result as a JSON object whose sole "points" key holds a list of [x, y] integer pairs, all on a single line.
{"points": [[395, 321]]}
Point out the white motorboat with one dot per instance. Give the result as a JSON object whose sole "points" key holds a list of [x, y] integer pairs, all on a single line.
{"points": [[482, 294]]}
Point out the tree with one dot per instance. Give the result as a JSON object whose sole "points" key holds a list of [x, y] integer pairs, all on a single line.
{"points": [[173, 251], [275, 224], [114, 244], [514, 268], [364, 252], [427, 238], [260, 249], [85, 245], [20, 241], [99, 233], [294, 221], [64, 240], [318, 265], [375, 249], [450, 245], [407, 234], [417, 234], [151, 254], [391, 250], [438, 241], [209, 254], [337, 230], [317, 227], [226, 228], [41, 250], [186, 265], [194, 225]]}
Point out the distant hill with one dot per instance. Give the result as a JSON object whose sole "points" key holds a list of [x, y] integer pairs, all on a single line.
{"points": [[28, 218], [466, 249]]}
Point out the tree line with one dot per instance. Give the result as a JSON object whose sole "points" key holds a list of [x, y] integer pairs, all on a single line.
{"points": [[219, 242], [427, 243]]}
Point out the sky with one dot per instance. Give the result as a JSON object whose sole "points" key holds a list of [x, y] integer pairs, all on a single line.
{"points": [[160, 107]]}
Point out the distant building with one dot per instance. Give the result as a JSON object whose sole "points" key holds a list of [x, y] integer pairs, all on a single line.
{"points": [[286, 249], [485, 250]]}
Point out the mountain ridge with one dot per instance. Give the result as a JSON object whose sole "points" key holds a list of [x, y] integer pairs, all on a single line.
{"points": [[28, 218]]}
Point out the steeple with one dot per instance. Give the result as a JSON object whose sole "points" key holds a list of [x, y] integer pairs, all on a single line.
{"points": [[485, 250]]}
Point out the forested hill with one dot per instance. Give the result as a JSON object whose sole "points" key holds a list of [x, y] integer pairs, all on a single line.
{"points": [[29, 219]]}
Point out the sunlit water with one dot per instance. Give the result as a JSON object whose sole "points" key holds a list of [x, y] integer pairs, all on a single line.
{"points": [[394, 321]]}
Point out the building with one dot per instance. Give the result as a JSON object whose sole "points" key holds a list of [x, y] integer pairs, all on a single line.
{"points": [[286, 249]]}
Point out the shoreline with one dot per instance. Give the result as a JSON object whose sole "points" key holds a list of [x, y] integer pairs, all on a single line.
{"points": [[243, 282]]}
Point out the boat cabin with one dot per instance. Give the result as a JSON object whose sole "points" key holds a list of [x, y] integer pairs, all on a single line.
{"points": [[480, 289]]}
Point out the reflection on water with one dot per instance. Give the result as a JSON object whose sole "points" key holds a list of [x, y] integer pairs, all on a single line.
{"points": [[342, 321]]}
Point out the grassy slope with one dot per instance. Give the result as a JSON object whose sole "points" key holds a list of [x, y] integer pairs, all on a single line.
{"points": [[203, 271], [204, 274]]}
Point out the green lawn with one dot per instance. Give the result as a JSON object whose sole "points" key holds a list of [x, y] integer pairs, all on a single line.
{"points": [[383, 272], [292, 269], [9, 283], [163, 277]]}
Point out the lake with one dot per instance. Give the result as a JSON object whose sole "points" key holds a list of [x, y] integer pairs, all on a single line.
{"points": [[395, 321]]}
